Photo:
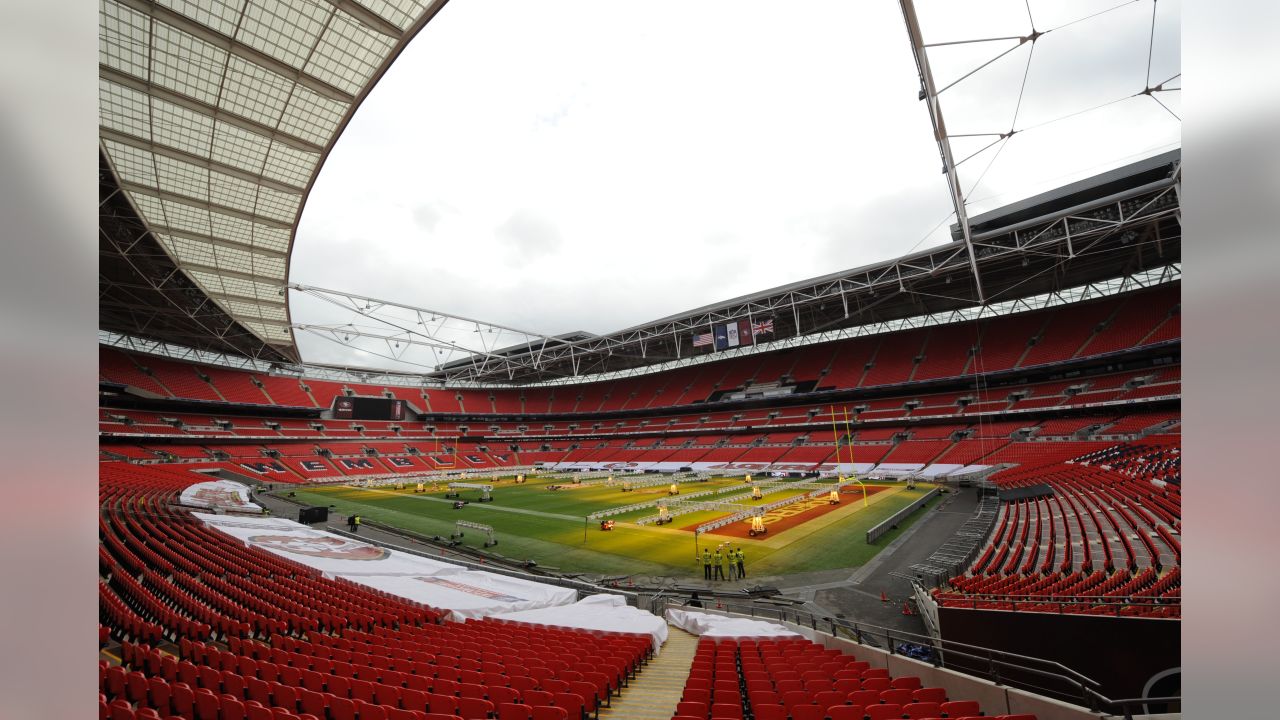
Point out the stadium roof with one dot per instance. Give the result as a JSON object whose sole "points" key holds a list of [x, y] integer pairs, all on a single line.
{"points": [[215, 118]]}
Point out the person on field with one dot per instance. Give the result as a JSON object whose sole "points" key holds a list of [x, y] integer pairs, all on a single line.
{"points": [[742, 568], [355, 525], [706, 564], [719, 564], [733, 568], [351, 522]]}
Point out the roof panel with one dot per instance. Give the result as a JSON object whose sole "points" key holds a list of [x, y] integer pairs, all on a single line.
{"points": [[287, 31], [123, 38], [182, 178], [233, 192], [252, 91], [186, 64], [124, 109], [277, 205], [240, 148], [134, 165], [348, 53], [151, 208], [289, 165], [187, 218], [181, 128], [218, 15], [311, 116], [216, 114]]}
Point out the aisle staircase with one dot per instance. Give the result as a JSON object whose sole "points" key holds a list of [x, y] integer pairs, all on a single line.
{"points": [[654, 694]]}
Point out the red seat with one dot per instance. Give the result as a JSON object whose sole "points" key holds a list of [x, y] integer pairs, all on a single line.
{"points": [[888, 711], [863, 697], [879, 684], [498, 694], [932, 694], [229, 708], [909, 682], [808, 712], [120, 710], [370, 711], [795, 697], [726, 710], [845, 712], [535, 697], [206, 707], [1024, 716], [899, 696], [922, 710], [960, 708], [686, 707], [446, 704], [829, 698], [768, 712], [514, 711], [473, 708], [547, 712], [341, 708]]}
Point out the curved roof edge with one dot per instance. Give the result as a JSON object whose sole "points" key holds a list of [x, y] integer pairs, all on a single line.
{"points": [[215, 119]]}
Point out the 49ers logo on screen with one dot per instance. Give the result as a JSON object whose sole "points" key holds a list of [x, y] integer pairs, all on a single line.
{"points": [[325, 547]]}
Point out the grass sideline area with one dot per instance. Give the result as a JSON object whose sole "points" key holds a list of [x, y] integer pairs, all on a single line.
{"points": [[549, 527]]}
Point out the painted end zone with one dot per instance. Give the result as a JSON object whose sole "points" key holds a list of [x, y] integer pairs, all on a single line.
{"points": [[793, 515]]}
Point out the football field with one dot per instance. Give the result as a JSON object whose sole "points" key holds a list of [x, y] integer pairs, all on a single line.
{"points": [[537, 521]]}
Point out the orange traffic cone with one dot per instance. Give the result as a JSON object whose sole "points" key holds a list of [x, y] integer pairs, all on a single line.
{"points": [[883, 597], [719, 605], [906, 609], [630, 583]]}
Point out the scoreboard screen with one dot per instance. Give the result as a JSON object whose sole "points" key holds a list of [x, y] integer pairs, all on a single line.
{"points": [[368, 408]]}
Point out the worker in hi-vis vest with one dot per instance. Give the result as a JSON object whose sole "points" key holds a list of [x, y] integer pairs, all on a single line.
{"points": [[742, 559], [719, 565], [706, 564]]}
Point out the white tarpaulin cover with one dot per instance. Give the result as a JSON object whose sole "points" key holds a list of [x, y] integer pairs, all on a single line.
{"points": [[706, 624], [329, 553], [470, 594], [465, 593], [222, 494], [606, 613]]}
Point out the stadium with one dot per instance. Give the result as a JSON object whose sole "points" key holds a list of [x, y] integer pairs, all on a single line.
{"points": [[903, 490]]}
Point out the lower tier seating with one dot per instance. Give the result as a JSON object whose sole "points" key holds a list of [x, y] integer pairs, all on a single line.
{"points": [[796, 679]]}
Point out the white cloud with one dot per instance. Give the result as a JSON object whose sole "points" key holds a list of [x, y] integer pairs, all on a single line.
{"points": [[583, 165]]}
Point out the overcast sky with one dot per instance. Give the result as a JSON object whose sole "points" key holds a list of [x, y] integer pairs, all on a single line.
{"points": [[586, 165]]}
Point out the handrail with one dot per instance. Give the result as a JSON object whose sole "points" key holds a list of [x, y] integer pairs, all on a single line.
{"points": [[1065, 599]]}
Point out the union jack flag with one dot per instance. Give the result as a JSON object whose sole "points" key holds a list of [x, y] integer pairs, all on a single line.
{"points": [[764, 327]]}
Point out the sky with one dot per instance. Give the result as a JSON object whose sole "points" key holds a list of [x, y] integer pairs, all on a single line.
{"points": [[577, 165]]}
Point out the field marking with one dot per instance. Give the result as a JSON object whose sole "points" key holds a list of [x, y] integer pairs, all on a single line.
{"points": [[486, 506]]}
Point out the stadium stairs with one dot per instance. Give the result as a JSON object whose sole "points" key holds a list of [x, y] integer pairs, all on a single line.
{"points": [[656, 693]]}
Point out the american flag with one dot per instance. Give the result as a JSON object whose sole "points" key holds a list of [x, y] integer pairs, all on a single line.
{"points": [[763, 327], [702, 340]]}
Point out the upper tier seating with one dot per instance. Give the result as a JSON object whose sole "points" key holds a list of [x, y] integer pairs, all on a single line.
{"points": [[1080, 330]]}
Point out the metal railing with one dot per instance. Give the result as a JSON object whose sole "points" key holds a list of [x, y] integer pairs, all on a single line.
{"points": [[892, 521], [1037, 675]]}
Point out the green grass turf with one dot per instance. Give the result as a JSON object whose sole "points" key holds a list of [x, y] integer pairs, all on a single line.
{"points": [[559, 541]]}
